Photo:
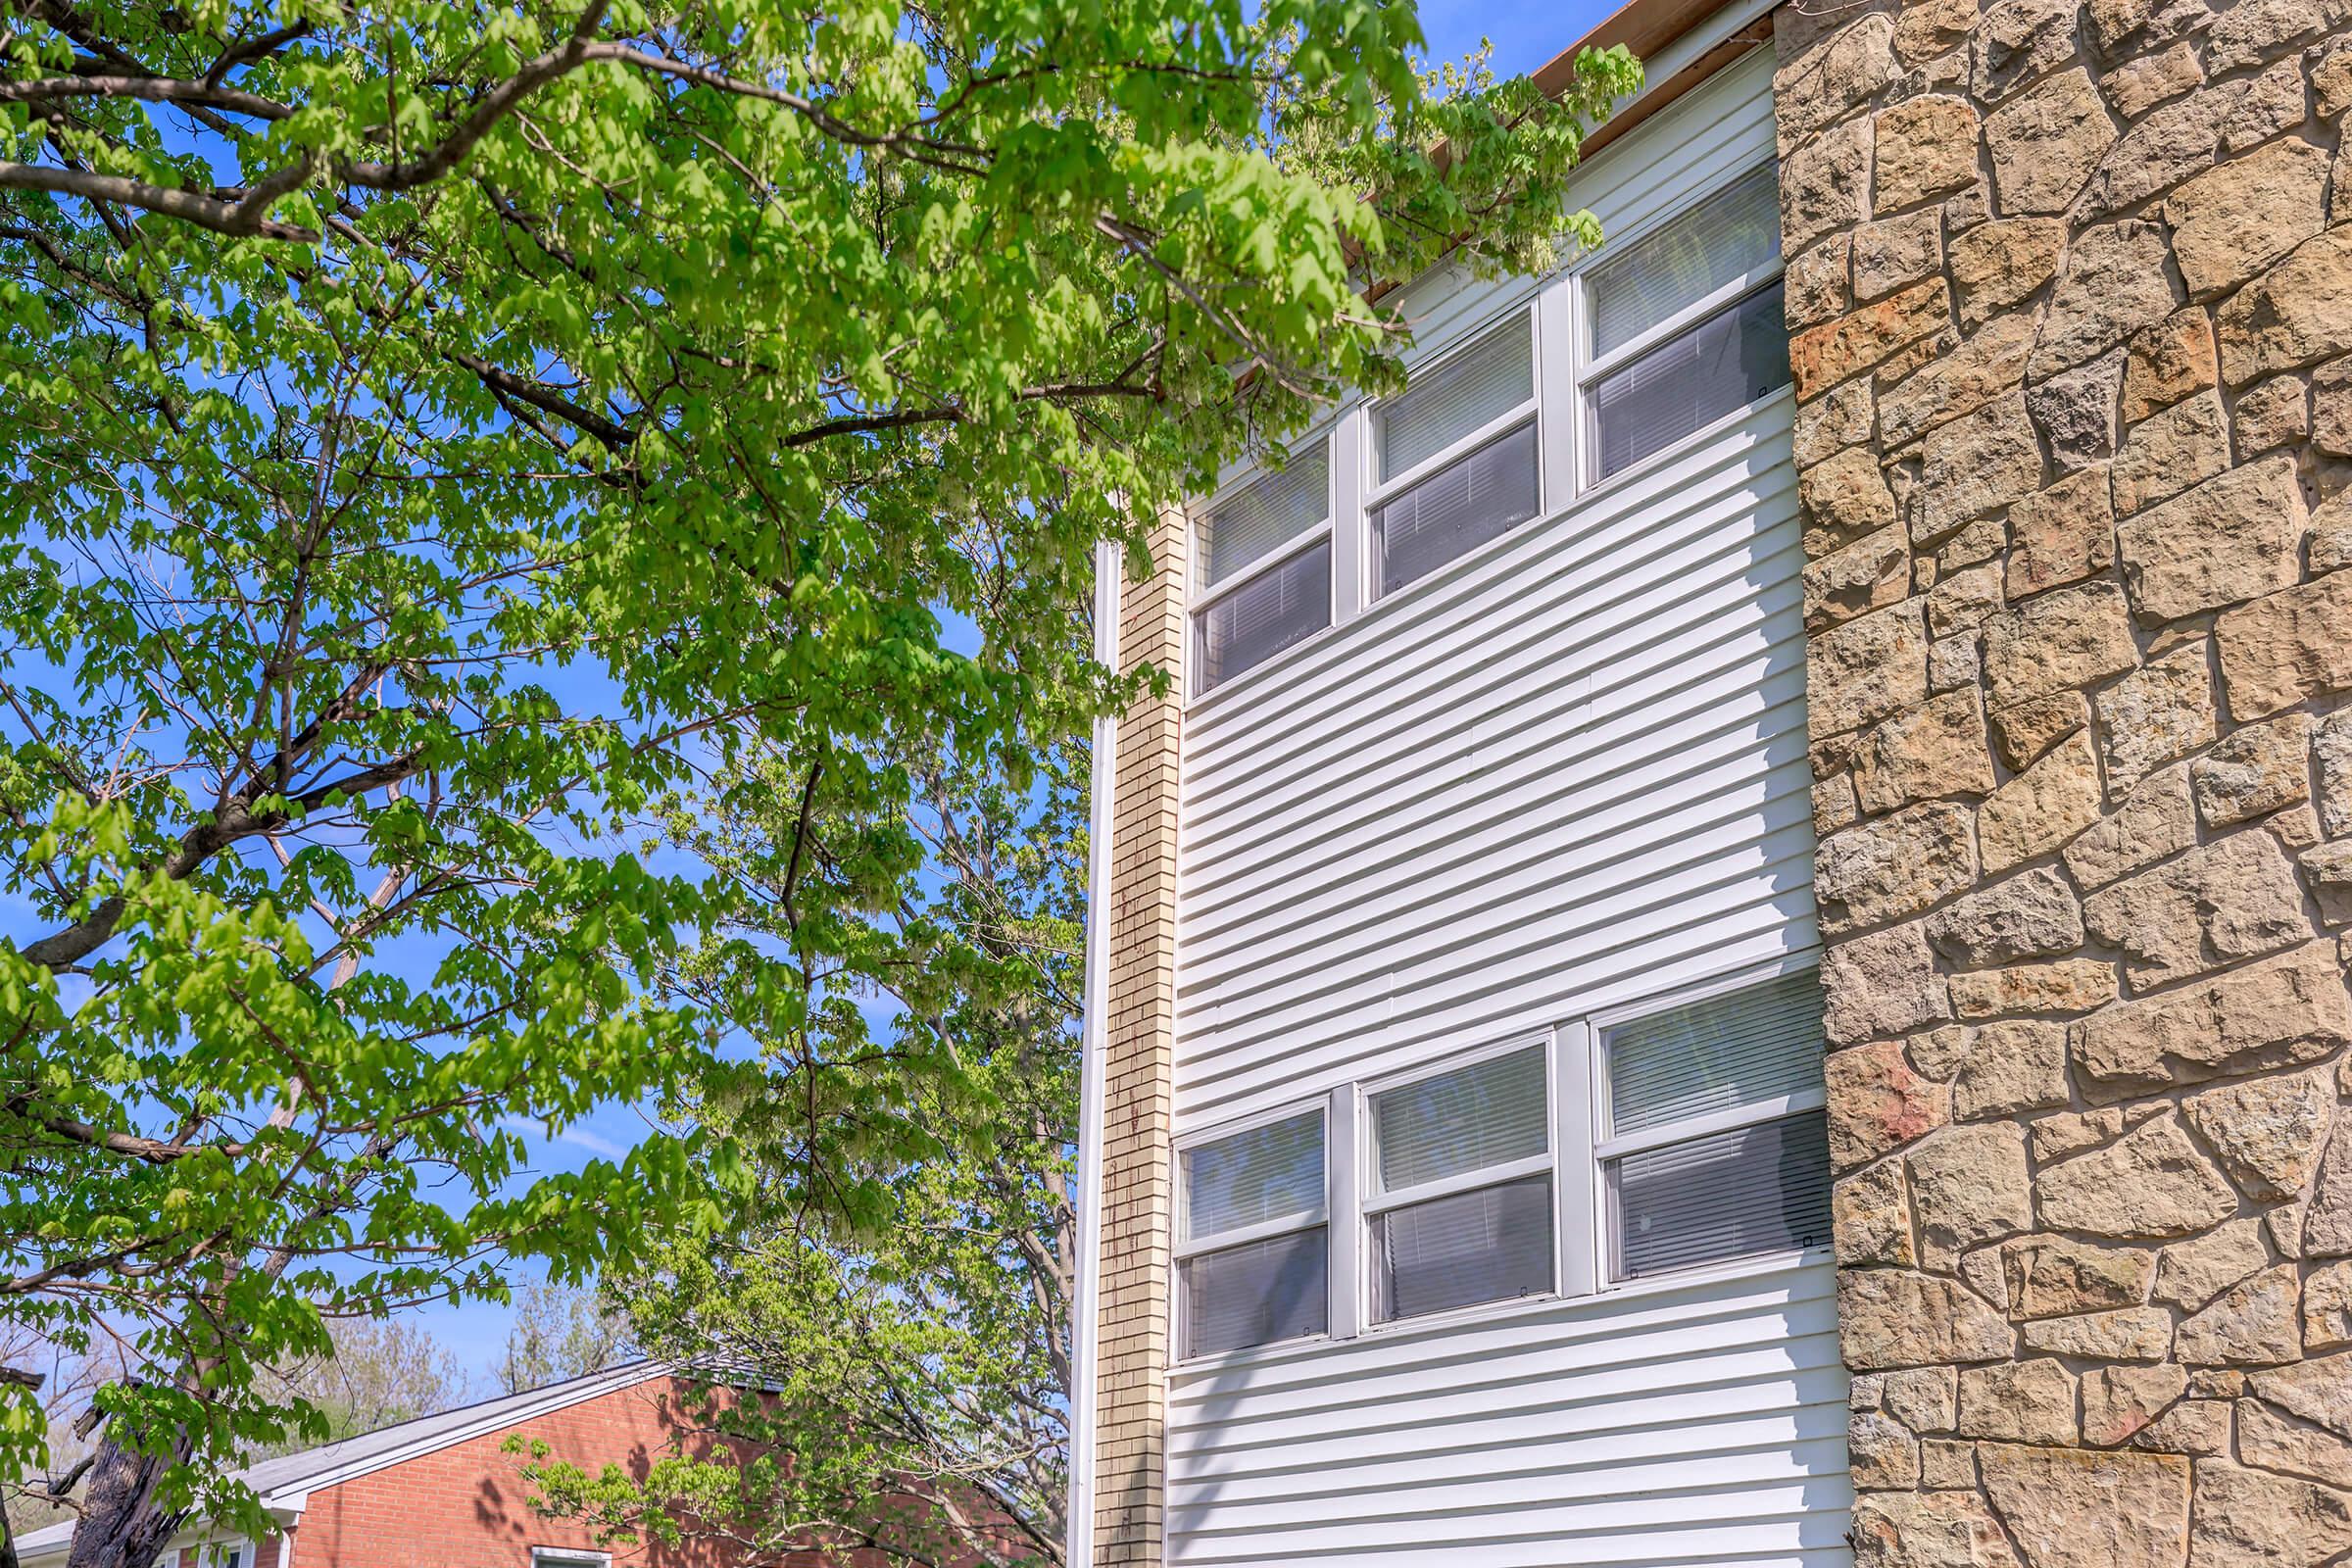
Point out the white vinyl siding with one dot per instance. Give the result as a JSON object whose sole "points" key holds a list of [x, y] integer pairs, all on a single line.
{"points": [[1556, 784]]}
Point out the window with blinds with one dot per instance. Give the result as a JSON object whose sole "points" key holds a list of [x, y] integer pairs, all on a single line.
{"points": [[1654, 373], [1716, 1143], [1251, 1237], [1461, 1206], [1264, 577], [1480, 405]]}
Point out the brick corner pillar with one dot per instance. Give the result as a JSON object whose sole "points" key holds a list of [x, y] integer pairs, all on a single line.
{"points": [[2069, 294], [1138, 1065]]}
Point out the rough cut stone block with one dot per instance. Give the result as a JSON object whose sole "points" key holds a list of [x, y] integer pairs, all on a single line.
{"points": [[2132, 1333], [1937, 750], [2232, 538], [2070, 638], [2273, 413], [2013, 1066], [2031, 915], [2283, 1013], [2076, 411], [2156, 714], [2256, 30], [1978, 461], [1882, 983], [2169, 362], [2061, 535], [2019, 1402], [2115, 283], [1843, 499], [1927, 1530], [2026, 732], [2143, 82], [1927, 147], [1829, 82], [1895, 1318], [2290, 646], [1892, 866], [2045, 145], [1969, 1186], [2274, 1442], [2190, 1274], [2319, 1390], [1988, 365], [2002, 264], [2151, 1184], [2296, 314], [1818, 283], [2254, 772], [1824, 186], [2254, 1323], [2069, 986], [2268, 1132], [2184, 445], [2056, 1276], [1868, 574], [2091, 1509], [2234, 219], [2234, 898], [2331, 749], [2153, 821], [1824, 356], [1896, 253], [1878, 1103], [2119, 1400], [2248, 1516], [2043, 807], [1870, 1217], [2328, 1223]]}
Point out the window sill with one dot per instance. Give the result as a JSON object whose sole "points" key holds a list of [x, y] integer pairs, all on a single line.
{"points": [[1763, 1266], [1593, 493]]}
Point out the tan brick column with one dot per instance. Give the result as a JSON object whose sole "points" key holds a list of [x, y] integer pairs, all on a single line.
{"points": [[1137, 1203], [2071, 294]]}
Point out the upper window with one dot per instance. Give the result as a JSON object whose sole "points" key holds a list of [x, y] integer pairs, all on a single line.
{"points": [[1265, 567], [1715, 1145], [1251, 1238], [1460, 1206], [1455, 456], [1686, 325]]}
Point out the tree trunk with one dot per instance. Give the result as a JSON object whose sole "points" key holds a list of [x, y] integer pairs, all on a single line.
{"points": [[122, 1524]]}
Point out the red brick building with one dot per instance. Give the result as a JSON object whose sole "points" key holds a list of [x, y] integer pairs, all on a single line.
{"points": [[441, 1492]]}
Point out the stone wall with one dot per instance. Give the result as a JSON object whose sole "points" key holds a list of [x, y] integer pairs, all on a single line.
{"points": [[2071, 294], [1132, 1348]]}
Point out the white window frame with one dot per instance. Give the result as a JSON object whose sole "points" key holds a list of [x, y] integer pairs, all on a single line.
{"points": [[1592, 369], [212, 1554], [1568, 469], [569, 1557], [1201, 596], [1375, 1200], [1581, 1155], [1609, 1150], [1378, 492], [1184, 1247]]}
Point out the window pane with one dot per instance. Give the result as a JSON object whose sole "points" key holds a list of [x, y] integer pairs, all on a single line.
{"points": [[1480, 1115], [1725, 362], [1762, 1189], [1718, 1054], [1457, 509], [1459, 395], [1494, 1244], [1266, 615], [1254, 1176], [1268, 514], [1257, 1293], [1725, 237]]}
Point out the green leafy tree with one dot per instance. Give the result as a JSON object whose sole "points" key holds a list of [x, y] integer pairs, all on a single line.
{"points": [[561, 1331], [433, 431], [887, 1337]]}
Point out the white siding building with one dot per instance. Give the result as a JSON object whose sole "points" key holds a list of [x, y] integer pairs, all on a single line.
{"points": [[1496, 1220]]}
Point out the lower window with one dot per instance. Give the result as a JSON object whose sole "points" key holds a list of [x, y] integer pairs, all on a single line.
{"points": [[1252, 1242], [1716, 1145]]}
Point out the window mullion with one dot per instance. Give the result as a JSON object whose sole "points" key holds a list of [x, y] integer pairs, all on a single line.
{"points": [[1349, 546], [1575, 1216], [1343, 1168], [1557, 393]]}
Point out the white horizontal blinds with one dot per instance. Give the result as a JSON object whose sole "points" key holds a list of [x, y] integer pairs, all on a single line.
{"points": [[1265, 514], [1479, 494], [1488, 1114], [1455, 398], [1463, 1242], [1492, 1245], [1758, 1189], [1689, 381], [1458, 508], [1264, 1173], [1753, 1045], [1280, 606], [1257, 1293], [1724, 238], [1264, 1287], [1760, 1184]]}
